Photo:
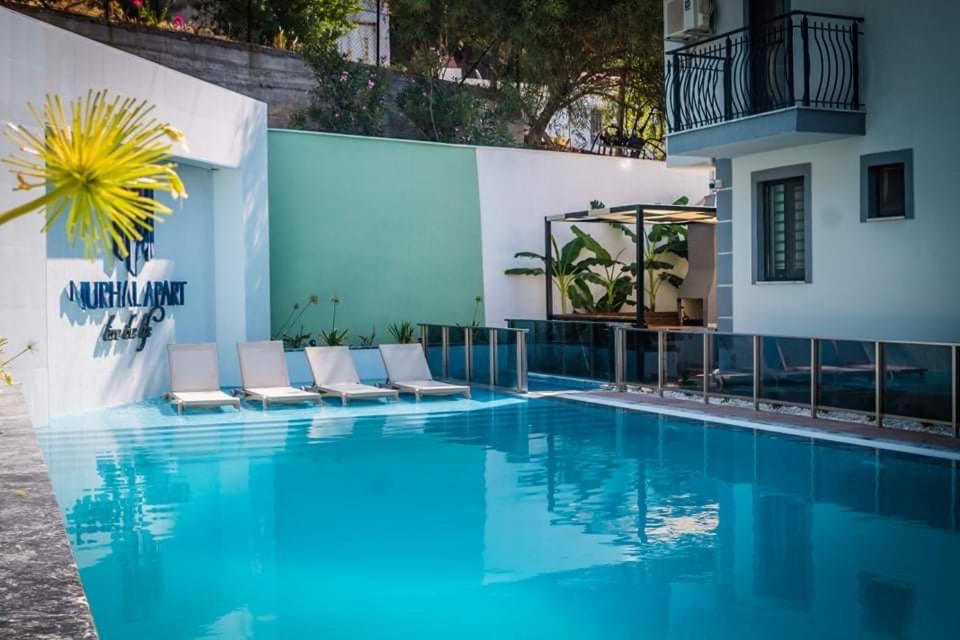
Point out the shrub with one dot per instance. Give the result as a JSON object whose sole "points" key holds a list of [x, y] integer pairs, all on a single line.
{"points": [[452, 112], [312, 23], [348, 97]]}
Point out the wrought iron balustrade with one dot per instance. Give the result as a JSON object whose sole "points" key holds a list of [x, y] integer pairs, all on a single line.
{"points": [[798, 59]]}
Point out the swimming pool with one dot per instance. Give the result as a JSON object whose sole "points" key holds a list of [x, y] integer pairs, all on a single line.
{"points": [[498, 517]]}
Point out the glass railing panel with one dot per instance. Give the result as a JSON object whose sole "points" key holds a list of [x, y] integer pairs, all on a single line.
{"points": [[683, 360], [786, 370], [434, 349], [480, 356], [917, 379], [731, 365], [640, 357], [457, 367], [506, 358], [543, 346], [847, 375], [604, 355]]}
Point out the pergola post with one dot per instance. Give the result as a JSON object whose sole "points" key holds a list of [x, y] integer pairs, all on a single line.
{"points": [[548, 267], [641, 320]]}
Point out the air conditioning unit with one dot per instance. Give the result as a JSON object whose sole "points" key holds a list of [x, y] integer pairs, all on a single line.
{"points": [[687, 20]]}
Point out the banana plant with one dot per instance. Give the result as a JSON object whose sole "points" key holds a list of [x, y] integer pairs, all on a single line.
{"points": [[662, 240], [567, 272], [613, 276]]}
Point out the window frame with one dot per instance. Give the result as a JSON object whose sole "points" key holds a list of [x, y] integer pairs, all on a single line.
{"points": [[886, 158], [759, 181]]}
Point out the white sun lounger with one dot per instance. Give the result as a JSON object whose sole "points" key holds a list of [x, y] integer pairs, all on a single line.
{"points": [[195, 377], [263, 371], [408, 372], [334, 373]]}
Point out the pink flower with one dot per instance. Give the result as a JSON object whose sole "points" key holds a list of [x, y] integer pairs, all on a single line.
{"points": [[138, 3], [178, 22], [371, 84]]}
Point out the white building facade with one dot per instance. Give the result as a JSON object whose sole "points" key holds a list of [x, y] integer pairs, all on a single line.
{"points": [[832, 127], [211, 257]]}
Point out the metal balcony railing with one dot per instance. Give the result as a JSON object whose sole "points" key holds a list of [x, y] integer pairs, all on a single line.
{"points": [[491, 356], [798, 59]]}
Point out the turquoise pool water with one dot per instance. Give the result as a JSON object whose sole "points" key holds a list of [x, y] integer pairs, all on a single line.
{"points": [[498, 518]]}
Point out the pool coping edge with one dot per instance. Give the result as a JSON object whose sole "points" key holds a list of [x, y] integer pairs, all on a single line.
{"points": [[41, 595], [931, 451]]}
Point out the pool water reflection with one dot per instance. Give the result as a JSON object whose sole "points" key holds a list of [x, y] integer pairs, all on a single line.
{"points": [[498, 517]]}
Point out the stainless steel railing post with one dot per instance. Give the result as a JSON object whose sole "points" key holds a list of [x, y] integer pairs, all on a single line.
{"points": [[757, 370], [814, 376], [468, 353], [661, 361], [445, 351], [954, 380], [619, 358], [707, 358], [522, 361], [492, 339], [878, 381]]}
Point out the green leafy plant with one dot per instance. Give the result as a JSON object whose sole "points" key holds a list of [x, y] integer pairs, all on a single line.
{"points": [[613, 276], [597, 204], [347, 97], [152, 15], [368, 340], [93, 167], [660, 242], [301, 338], [314, 23], [5, 376], [403, 332], [567, 272], [335, 337]]}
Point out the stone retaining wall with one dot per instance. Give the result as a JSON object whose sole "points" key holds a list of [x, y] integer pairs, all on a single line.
{"points": [[278, 78]]}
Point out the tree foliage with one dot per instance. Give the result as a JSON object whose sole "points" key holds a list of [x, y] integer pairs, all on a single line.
{"points": [[311, 23], [453, 112], [550, 54]]}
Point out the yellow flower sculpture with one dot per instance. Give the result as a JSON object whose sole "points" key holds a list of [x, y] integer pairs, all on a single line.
{"points": [[95, 167]]}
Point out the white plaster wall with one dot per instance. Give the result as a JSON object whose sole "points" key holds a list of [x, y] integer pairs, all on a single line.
{"points": [[519, 187], [884, 279], [225, 170]]}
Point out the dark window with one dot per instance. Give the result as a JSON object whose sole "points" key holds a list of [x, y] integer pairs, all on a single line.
{"points": [[782, 211], [886, 185], [888, 191]]}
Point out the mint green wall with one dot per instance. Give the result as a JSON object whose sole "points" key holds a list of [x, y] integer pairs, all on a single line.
{"points": [[392, 227]]}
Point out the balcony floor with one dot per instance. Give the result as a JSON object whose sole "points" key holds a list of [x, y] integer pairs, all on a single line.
{"points": [[769, 131]]}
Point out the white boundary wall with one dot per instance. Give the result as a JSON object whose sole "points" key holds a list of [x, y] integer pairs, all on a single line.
{"points": [[217, 240], [518, 187]]}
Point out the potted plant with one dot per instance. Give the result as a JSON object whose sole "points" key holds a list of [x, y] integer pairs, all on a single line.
{"points": [[403, 332], [598, 207]]}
